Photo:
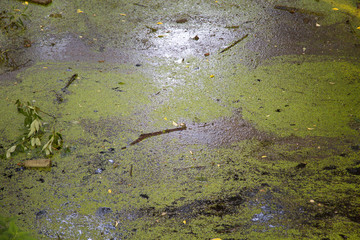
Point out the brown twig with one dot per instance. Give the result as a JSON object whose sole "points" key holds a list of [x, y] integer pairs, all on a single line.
{"points": [[147, 135], [234, 43]]}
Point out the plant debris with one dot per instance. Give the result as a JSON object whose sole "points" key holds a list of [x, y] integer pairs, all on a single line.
{"points": [[37, 163], [234, 43], [147, 135]]}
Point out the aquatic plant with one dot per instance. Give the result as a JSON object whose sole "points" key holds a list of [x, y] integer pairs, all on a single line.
{"points": [[34, 132], [13, 19], [9, 230]]}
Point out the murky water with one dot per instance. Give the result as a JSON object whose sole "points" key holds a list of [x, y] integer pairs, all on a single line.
{"points": [[268, 91]]}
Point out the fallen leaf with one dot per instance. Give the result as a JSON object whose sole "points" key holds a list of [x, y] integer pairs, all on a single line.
{"points": [[159, 23], [335, 9], [184, 221], [264, 156], [312, 201], [37, 163], [122, 14], [175, 124], [79, 11], [165, 118], [216, 239], [212, 76], [318, 25], [310, 129], [358, 28], [109, 191], [206, 54]]}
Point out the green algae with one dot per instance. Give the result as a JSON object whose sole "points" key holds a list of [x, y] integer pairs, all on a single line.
{"points": [[315, 98], [94, 117]]}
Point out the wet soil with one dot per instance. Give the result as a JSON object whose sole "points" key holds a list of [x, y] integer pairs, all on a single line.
{"points": [[271, 147]]}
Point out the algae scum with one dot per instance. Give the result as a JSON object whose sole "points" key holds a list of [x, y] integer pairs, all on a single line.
{"points": [[252, 110]]}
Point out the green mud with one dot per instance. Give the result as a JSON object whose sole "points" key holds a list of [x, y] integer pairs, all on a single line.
{"points": [[296, 179]]}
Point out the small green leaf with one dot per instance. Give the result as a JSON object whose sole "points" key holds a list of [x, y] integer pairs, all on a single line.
{"points": [[12, 149], [8, 154], [32, 142], [47, 152], [13, 228], [37, 142]]}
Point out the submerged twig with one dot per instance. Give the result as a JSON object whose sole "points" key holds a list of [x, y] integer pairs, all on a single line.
{"points": [[299, 10], [71, 80], [147, 135], [234, 43]]}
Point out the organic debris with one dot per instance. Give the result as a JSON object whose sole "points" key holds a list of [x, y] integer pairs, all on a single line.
{"points": [[293, 10], [147, 135], [71, 80], [43, 2], [234, 43], [37, 163]]}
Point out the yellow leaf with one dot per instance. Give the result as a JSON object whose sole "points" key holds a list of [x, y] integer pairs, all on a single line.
{"points": [[122, 14], [264, 156], [26, 3], [335, 9], [216, 239], [358, 28], [79, 11], [109, 191], [184, 221], [165, 118], [212, 76], [310, 129], [159, 23]]}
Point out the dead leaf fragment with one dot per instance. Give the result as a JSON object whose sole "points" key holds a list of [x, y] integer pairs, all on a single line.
{"points": [[38, 163], [181, 20], [79, 11], [159, 23]]}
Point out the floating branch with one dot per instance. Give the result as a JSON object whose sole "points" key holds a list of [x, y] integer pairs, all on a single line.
{"points": [[71, 80], [234, 43], [293, 10], [147, 135]]}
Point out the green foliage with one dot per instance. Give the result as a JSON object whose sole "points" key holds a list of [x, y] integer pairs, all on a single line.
{"points": [[9, 230], [13, 19], [34, 132]]}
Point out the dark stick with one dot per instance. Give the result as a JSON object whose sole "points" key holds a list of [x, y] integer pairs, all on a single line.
{"points": [[147, 135], [71, 80], [234, 43]]}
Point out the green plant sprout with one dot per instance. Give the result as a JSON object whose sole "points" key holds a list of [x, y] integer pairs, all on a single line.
{"points": [[9, 230], [34, 132], [14, 19]]}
